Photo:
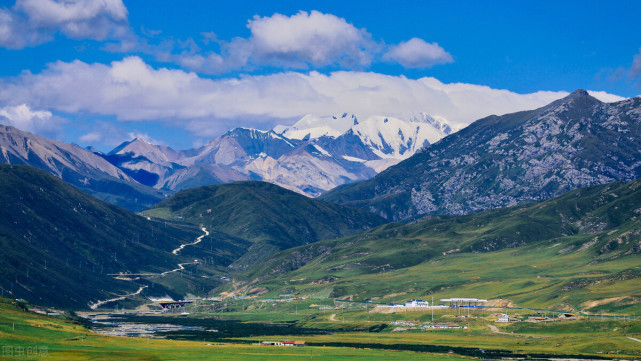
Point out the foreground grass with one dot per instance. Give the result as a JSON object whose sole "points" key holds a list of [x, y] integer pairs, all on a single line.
{"points": [[547, 340], [25, 336], [354, 326]]}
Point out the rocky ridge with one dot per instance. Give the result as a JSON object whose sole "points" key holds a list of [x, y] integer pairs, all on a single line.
{"points": [[499, 161]]}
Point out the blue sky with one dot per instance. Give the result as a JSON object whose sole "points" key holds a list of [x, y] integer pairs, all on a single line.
{"points": [[180, 73]]}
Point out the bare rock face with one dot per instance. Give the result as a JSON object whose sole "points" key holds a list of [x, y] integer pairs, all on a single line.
{"points": [[506, 160]]}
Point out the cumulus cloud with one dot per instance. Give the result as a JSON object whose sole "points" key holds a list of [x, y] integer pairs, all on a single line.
{"points": [[300, 41], [35, 121], [31, 22], [417, 53], [131, 90], [314, 38]]}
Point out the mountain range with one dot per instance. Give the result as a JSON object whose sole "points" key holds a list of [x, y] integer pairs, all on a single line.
{"points": [[136, 174], [504, 196], [77, 166], [310, 157], [500, 161]]}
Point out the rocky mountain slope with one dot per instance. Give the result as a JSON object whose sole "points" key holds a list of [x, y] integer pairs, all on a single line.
{"points": [[77, 166], [500, 161], [268, 217], [312, 156]]}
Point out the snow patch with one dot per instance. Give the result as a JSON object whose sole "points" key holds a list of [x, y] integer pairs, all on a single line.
{"points": [[322, 151], [353, 159]]}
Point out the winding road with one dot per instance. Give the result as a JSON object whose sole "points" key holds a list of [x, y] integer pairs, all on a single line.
{"points": [[198, 240], [93, 306], [121, 276]]}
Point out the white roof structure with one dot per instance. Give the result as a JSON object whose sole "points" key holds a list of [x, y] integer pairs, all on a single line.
{"points": [[463, 300]]}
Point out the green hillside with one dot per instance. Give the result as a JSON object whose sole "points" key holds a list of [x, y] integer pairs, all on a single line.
{"points": [[59, 245], [577, 251], [270, 217]]}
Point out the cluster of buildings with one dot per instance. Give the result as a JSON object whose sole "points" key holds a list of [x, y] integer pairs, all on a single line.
{"points": [[402, 323], [464, 302], [431, 326], [328, 308], [442, 326], [445, 302], [284, 343], [416, 303], [505, 318]]}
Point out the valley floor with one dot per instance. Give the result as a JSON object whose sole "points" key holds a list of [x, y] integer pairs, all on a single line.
{"points": [[344, 333]]}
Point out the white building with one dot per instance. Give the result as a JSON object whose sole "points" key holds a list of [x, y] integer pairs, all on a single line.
{"points": [[504, 318], [464, 302], [417, 303]]}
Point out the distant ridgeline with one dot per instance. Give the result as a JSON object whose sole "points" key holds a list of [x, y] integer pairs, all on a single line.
{"points": [[77, 166]]}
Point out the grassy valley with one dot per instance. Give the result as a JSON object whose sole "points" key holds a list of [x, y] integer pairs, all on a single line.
{"points": [[32, 336], [577, 252], [61, 246], [268, 217]]}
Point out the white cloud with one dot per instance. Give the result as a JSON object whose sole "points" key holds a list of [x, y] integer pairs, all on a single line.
{"points": [[301, 41], [106, 134], [31, 22], [606, 97], [131, 90], [144, 136], [93, 137], [314, 38], [417, 53], [635, 70], [35, 121]]}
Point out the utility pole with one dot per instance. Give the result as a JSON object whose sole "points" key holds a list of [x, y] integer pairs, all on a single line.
{"points": [[432, 309]]}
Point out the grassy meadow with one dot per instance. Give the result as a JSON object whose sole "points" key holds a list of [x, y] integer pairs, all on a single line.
{"points": [[349, 332], [29, 336]]}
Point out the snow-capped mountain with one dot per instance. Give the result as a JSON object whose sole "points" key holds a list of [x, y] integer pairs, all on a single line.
{"points": [[314, 155], [500, 161], [313, 127]]}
